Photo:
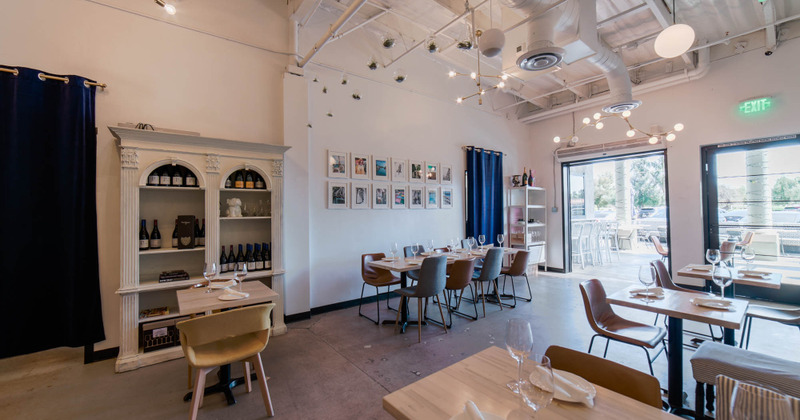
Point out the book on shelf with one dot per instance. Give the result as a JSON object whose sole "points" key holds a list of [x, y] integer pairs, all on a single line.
{"points": [[167, 276], [152, 312]]}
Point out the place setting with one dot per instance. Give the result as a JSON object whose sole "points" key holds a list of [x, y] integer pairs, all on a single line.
{"points": [[225, 285], [647, 276], [722, 277]]}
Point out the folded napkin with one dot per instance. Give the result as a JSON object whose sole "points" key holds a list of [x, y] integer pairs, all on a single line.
{"points": [[222, 284], [237, 293], [573, 390], [711, 301], [657, 291], [748, 273], [472, 411], [700, 268]]}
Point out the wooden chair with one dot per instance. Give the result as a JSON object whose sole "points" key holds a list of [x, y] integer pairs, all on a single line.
{"points": [[492, 265], [432, 280], [727, 250], [223, 338], [376, 277], [747, 239], [458, 279], [519, 267], [787, 316], [659, 248], [611, 326], [614, 376]]}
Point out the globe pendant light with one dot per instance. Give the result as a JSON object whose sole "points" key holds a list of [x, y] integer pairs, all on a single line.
{"points": [[674, 40]]}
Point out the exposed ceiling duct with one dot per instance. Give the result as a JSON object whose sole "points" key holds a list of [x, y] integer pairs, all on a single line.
{"points": [[541, 52]]}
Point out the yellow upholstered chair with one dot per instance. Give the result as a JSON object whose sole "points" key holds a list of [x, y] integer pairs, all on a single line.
{"points": [[224, 338]]}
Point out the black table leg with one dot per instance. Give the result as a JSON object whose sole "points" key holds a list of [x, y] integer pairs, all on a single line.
{"points": [[728, 337], [404, 312], [675, 363]]}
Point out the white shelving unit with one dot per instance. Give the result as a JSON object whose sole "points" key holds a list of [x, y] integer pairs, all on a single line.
{"points": [[211, 161], [527, 221]]}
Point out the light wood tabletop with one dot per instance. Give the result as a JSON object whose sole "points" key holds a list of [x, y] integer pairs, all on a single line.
{"points": [[402, 265], [193, 301], [740, 276], [678, 304], [482, 379]]}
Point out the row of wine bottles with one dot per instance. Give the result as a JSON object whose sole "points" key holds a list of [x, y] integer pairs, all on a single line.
{"points": [[153, 240], [168, 176], [258, 257], [245, 179]]}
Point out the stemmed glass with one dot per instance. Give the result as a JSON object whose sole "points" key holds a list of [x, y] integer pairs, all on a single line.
{"points": [[519, 341], [538, 392], [450, 246], [471, 242], [240, 274], [748, 255], [209, 272], [722, 277], [745, 394], [713, 256], [647, 276], [430, 245], [501, 239], [481, 239], [415, 249], [394, 249]]}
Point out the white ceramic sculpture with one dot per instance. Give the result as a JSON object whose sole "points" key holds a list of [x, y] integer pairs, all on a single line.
{"points": [[234, 207]]}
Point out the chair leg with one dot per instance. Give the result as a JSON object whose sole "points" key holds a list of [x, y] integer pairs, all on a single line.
{"points": [[608, 341], [262, 382], [439, 302], [378, 304], [710, 397], [419, 320], [749, 330], [699, 396], [528, 282], [483, 300], [656, 320], [247, 382], [591, 343], [197, 393], [360, 299], [649, 362], [399, 309], [497, 293]]}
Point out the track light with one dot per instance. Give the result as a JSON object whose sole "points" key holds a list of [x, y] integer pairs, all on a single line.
{"points": [[170, 9]]}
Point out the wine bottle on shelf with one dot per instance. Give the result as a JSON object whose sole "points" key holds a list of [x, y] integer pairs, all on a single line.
{"points": [[268, 258], [155, 237], [223, 261], [260, 183], [201, 240], [250, 258], [249, 183], [153, 179], [240, 258], [231, 260], [229, 182], [257, 256], [165, 178], [239, 182], [175, 235], [177, 177], [524, 177], [197, 232], [530, 179], [144, 238], [191, 180]]}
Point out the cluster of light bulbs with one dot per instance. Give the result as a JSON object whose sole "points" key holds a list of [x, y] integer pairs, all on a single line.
{"points": [[477, 77], [597, 123]]}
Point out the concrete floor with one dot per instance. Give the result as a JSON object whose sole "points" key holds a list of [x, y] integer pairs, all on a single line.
{"points": [[334, 366]]}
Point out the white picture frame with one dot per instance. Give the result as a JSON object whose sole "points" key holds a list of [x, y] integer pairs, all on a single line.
{"points": [[360, 195], [416, 171], [399, 170], [360, 165], [337, 195], [416, 197], [381, 194], [431, 197], [380, 168], [338, 165], [432, 172], [446, 198], [446, 174], [399, 196]]}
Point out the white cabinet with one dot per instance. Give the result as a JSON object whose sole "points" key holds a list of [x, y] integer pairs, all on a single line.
{"points": [[527, 221], [211, 161]]}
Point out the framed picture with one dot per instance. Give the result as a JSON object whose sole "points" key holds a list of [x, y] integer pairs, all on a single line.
{"points": [[360, 165], [416, 197], [399, 197], [337, 195], [447, 198], [337, 165], [380, 168], [431, 198], [380, 196], [399, 170], [446, 173], [432, 172], [360, 195], [416, 171]]}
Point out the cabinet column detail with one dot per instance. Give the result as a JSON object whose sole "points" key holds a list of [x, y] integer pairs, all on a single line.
{"points": [[212, 209], [129, 264]]}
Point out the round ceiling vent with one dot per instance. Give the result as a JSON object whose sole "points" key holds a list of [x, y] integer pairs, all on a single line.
{"points": [[540, 59], [621, 107]]}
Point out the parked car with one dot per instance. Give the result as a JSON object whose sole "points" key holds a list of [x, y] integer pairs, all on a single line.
{"points": [[656, 223]]}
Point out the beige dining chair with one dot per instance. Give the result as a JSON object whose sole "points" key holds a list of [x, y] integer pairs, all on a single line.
{"points": [[659, 248], [376, 277], [224, 338], [518, 267], [459, 277]]}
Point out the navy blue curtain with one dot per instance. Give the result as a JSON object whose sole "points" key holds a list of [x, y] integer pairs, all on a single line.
{"points": [[484, 193], [49, 281]]}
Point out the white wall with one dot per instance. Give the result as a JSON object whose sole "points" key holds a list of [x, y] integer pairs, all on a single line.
{"points": [[157, 73], [708, 108]]}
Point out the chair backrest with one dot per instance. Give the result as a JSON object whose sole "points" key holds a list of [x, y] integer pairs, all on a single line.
{"points": [[598, 311], [460, 274], [371, 273], [747, 238], [408, 253], [724, 388], [492, 265], [465, 243], [432, 276], [726, 250], [614, 376], [520, 264], [657, 243], [252, 320], [577, 229]]}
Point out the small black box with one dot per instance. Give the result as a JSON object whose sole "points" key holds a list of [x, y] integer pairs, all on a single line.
{"points": [[159, 334], [185, 232]]}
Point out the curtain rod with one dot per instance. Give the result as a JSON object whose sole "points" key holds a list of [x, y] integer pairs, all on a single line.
{"points": [[485, 150], [44, 77]]}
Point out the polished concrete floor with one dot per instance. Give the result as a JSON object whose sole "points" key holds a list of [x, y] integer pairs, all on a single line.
{"points": [[334, 366]]}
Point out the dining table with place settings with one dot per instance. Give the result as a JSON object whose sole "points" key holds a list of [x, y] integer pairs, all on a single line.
{"points": [[753, 277], [678, 305]]}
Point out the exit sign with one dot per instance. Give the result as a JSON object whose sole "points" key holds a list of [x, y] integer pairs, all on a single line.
{"points": [[755, 106]]}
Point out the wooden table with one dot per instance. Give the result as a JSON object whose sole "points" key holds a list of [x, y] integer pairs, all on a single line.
{"points": [[196, 300], [677, 306], [699, 271], [482, 379]]}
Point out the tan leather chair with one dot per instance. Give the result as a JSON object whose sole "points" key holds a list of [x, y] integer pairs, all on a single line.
{"points": [[519, 267], [611, 326], [746, 240], [659, 248], [223, 338], [376, 277], [726, 252], [614, 376], [459, 277]]}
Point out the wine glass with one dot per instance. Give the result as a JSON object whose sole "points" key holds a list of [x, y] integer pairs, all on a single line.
{"points": [[647, 276], [748, 255], [430, 245], [239, 274], [746, 396], [394, 250], [501, 239], [471, 242], [209, 272], [713, 256], [481, 240], [538, 391], [722, 277], [519, 341], [415, 249], [450, 246]]}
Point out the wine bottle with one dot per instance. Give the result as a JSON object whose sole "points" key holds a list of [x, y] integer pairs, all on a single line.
{"points": [[257, 256], [175, 235], [223, 261], [239, 183], [201, 240], [196, 232], [530, 179], [250, 258], [191, 181], [144, 238], [260, 183], [177, 177], [248, 181], [232, 261], [240, 261], [153, 179], [229, 182], [155, 237], [165, 178], [524, 177], [268, 260]]}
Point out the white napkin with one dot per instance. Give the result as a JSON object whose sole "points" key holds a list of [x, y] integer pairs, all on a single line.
{"points": [[573, 390], [712, 301], [657, 290], [472, 411], [237, 293]]}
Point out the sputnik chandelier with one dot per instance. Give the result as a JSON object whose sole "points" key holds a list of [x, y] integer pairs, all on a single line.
{"points": [[477, 76], [654, 136]]}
